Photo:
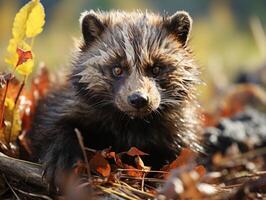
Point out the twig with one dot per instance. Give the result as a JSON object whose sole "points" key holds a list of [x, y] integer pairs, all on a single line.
{"points": [[32, 42], [146, 179], [143, 181], [10, 187], [127, 192], [90, 150], [80, 139], [249, 176], [232, 186], [134, 189], [143, 170], [114, 192], [33, 194], [249, 187]]}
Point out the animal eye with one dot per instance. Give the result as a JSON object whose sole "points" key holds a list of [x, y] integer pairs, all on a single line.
{"points": [[156, 70], [117, 71]]}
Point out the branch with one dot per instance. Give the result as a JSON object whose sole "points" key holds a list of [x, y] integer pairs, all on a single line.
{"points": [[21, 170]]}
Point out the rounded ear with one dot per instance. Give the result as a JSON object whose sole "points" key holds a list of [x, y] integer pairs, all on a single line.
{"points": [[179, 24], [91, 26]]}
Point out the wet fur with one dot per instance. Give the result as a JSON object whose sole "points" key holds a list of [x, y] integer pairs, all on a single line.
{"points": [[91, 100]]}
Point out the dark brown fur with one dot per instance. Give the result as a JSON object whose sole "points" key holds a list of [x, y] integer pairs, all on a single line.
{"points": [[95, 100]]}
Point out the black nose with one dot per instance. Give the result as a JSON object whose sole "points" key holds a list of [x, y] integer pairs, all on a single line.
{"points": [[138, 100]]}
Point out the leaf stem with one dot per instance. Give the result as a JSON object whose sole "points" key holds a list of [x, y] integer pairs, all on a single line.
{"points": [[3, 105], [13, 111], [20, 90], [32, 42]]}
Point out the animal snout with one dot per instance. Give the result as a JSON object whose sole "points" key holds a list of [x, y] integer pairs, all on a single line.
{"points": [[138, 100]]}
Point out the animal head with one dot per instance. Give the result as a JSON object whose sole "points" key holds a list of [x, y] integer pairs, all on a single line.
{"points": [[136, 62]]}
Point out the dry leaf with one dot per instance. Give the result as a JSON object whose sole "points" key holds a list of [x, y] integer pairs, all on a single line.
{"points": [[201, 170], [23, 56], [190, 181], [39, 87], [133, 151], [132, 171], [184, 158], [100, 165]]}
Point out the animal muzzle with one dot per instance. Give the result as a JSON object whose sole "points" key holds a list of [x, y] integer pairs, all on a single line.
{"points": [[138, 100]]}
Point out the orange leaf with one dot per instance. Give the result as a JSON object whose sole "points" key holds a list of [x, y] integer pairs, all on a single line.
{"points": [[100, 165], [190, 183], [118, 161], [132, 171], [133, 151], [201, 170], [111, 155], [209, 119], [39, 87], [23, 56], [239, 97], [184, 158]]}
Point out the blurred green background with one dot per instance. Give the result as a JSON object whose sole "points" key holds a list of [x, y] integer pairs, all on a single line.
{"points": [[228, 37]]}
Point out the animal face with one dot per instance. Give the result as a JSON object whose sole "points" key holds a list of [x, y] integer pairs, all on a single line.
{"points": [[136, 62]]}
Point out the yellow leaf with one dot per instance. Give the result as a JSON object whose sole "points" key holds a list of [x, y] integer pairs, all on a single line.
{"points": [[12, 117], [26, 67], [2, 137], [19, 25], [12, 57], [24, 45], [16, 128], [12, 46], [35, 20], [9, 103]]}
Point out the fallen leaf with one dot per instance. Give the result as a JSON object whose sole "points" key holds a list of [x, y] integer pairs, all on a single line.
{"points": [[184, 158], [118, 161], [133, 151], [132, 171], [190, 181], [201, 170], [100, 165], [240, 96]]}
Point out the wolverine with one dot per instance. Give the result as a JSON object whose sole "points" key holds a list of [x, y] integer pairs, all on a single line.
{"points": [[132, 84]]}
